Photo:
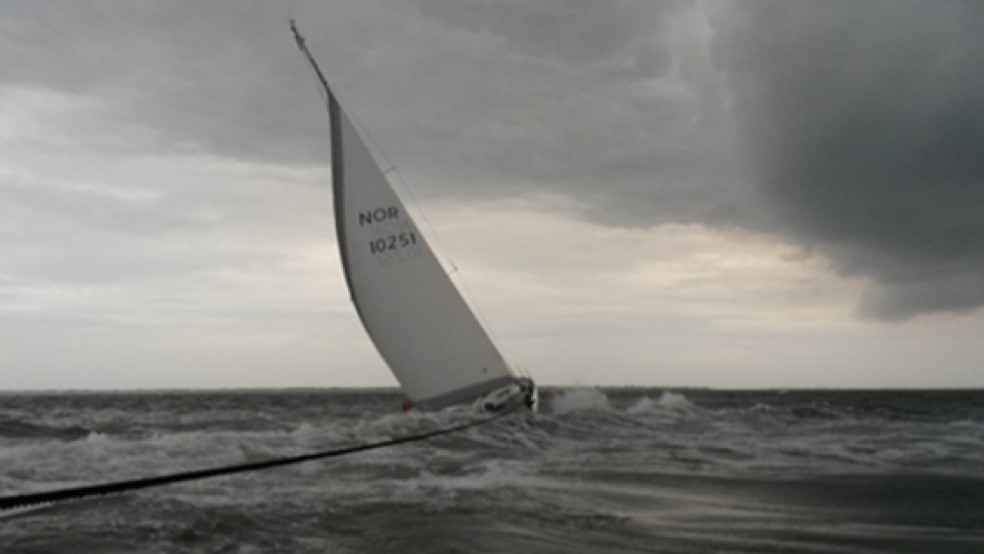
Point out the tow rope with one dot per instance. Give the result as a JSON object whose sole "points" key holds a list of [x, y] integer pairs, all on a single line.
{"points": [[78, 493]]}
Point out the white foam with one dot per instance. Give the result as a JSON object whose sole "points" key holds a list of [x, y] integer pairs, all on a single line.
{"points": [[644, 405], [579, 399], [668, 402], [675, 401]]}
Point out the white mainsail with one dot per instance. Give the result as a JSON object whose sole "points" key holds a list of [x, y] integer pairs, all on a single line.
{"points": [[417, 319]]}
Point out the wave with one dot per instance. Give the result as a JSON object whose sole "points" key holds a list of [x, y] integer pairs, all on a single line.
{"points": [[16, 429], [616, 469], [668, 402], [579, 400], [692, 431], [588, 399]]}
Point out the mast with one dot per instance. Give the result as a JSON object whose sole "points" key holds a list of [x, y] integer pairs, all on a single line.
{"points": [[337, 160]]}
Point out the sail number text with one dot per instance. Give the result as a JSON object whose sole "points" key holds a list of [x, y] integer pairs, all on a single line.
{"points": [[378, 215], [392, 242]]}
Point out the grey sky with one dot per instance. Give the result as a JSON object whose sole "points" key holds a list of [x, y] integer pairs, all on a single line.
{"points": [[691, 193], [865, 123]]}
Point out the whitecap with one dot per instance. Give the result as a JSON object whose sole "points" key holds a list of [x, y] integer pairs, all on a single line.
{"points": [[579, 399], [667, 402]]}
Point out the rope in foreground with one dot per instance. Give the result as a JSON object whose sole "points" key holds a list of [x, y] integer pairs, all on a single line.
{"points": [[78, 493]]}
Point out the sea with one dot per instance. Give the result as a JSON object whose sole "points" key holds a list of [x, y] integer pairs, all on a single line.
{"points": [[596, 470]]}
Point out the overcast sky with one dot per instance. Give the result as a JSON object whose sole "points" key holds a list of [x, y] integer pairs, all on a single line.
{"points": [[728, 194]]}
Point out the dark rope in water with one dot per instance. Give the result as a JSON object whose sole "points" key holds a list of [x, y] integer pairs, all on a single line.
{"points": [[77, 493]]}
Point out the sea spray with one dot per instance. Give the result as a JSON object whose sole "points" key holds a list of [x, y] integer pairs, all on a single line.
{"points": [[579, 399], [667, 402], [625, 470]]}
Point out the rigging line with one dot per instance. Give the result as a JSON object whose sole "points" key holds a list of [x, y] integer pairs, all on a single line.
{"points": [[479, 314], [324, 90], [78, 493], [409, 195], [441, 250], [433, 235], [419, 214], [434, 238]]}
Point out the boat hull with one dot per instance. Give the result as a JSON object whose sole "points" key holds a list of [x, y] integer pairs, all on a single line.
{"points": [[522, 394]]}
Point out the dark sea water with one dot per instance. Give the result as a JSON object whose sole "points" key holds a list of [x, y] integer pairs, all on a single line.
{"points": [[638, 470]]}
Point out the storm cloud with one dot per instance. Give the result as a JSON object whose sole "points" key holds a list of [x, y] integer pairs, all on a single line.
{"points": [[179, 76], [850, 129], [865, 125], [627, 170]]}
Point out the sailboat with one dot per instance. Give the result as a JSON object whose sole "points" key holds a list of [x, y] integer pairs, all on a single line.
{"points": [[417, 319]]}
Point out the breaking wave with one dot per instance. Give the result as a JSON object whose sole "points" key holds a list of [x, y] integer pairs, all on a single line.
{"points": [[668, 401], [628, 466], [578, 400]]}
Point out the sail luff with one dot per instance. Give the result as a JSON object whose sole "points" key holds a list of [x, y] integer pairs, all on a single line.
{"points": [[338, 189], [337, 157]]}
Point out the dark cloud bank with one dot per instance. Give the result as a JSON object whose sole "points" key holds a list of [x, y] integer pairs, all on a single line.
{"points": [[852, 128], [859, 126], [865, 123], [194, 77]]}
